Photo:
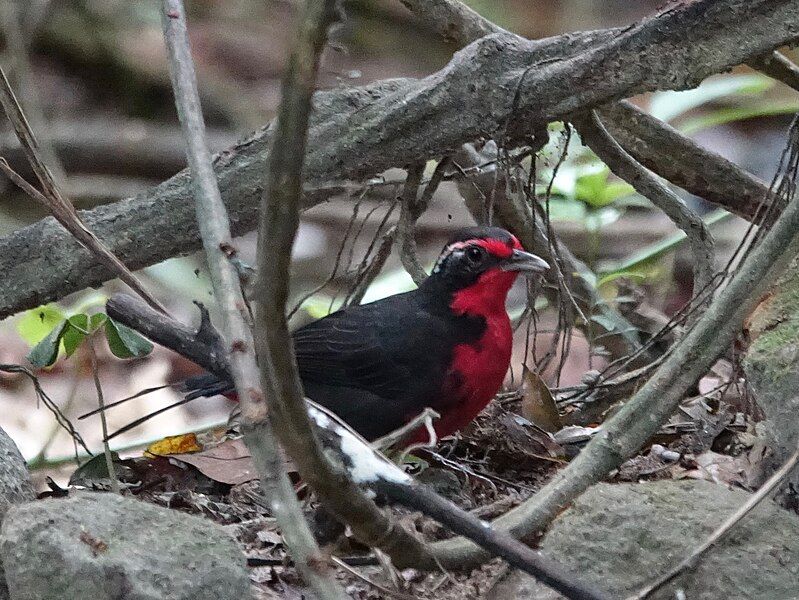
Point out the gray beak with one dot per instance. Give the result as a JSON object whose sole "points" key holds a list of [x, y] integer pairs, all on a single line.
{"points": [[525, 262]]}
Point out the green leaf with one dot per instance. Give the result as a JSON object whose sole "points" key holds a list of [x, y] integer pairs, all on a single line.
{"points": [[596, 191], [45, 353], [73, 336], [124, 342], [93, 471], [667, 106], [96, 321], [588, 188], [722, 116], [37, 323], [78, 328]]}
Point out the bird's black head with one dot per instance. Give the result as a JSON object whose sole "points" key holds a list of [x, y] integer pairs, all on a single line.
{"points": [[487, 257]]}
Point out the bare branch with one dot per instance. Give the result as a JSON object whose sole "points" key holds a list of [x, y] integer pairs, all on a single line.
{"points": [[453, 20], [277, 228], [778, 66], [376, 264], [682, 161], [645, 183], [214, 227], [625, 432]]}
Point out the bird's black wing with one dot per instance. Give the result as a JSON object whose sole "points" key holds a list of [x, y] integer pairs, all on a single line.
{"points": [[354, 348]]}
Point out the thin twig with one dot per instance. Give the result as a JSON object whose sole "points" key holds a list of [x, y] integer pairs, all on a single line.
{"points": [[693, 558], [371, 270], [214, 227], [380, 588], [410, 429], [109, 459]]}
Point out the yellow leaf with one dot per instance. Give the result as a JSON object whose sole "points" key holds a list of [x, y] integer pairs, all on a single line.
{"points": [[174, 444]]}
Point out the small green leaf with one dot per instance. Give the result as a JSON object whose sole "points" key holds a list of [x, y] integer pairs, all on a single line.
{"points": [[589, 187], [96, 321], [45, 352], [94, 471], [37, 323], [124, 342], [72, 338]]}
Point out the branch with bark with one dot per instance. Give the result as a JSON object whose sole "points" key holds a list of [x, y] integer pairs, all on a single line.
{"points": [[360, 132]]}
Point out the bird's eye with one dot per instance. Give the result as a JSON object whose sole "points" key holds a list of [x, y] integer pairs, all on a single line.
{"points": [[474, 254]]}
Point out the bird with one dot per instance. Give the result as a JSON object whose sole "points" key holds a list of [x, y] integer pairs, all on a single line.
{"points": [[445, 345]]}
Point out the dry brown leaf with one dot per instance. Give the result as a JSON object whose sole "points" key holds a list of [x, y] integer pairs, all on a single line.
{"points": [[229, 462], [538, 405]]}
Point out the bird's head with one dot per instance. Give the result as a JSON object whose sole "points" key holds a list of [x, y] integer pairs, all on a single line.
{"points": [[479, 265]]}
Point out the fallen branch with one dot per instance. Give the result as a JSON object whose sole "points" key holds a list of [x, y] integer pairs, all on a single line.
{"points": [[430, 117], [693, 558], [239, 348], [624, 433]]}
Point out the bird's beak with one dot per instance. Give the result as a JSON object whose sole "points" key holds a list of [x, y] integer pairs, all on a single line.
{"points": [[524, 261]]}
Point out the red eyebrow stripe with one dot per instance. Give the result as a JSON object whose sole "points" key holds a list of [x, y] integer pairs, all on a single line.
{"points": [[498, 248]]}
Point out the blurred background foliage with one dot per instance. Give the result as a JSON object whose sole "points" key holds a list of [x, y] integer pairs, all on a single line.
{"points": [[92, 77]]}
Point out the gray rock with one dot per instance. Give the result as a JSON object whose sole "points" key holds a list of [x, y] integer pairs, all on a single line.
{"points": [[622, 536], [103, 546], [15, 486], [15, 482]]}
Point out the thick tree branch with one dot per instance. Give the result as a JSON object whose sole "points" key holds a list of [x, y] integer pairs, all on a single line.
{"points": [[239, 347], [360, 132]]}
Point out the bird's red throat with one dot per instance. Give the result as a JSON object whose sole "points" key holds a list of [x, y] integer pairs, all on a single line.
{"points": [[478, 368]]}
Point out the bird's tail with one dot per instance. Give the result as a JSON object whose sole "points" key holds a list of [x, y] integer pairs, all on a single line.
{"points": [[199, 386]]}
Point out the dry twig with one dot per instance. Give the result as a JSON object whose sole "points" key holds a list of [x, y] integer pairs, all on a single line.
{"points": [[214, 227], [277, 229]]}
